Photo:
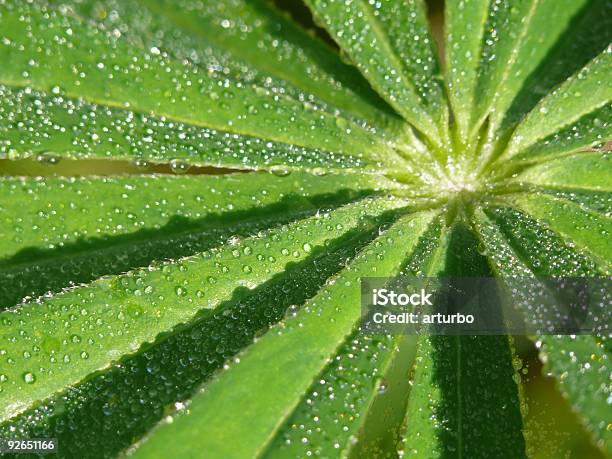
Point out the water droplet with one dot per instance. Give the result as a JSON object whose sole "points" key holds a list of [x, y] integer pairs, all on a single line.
{"points": [[179, 167], [48, 158], [29, 378]]}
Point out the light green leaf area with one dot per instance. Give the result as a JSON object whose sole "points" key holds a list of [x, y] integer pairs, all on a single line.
{"points": [[77, 229], [590, 131], [277, 379], [483, 38], [52, 52], [66, 210], [581, 179], [367, 373], [576, 106], [217, 36], [589, 230], [390, 43], [464, 24], [560, 37], [167, 374], [367, 379], [585, 171], [56, 348], [518, 246], [589, 201], [214, 310], [51, 127]]}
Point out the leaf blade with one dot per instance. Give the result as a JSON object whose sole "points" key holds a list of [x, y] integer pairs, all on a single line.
{"points": [[452, 403], [209, 423], [175, 367], [588, 230], [367, 379], [214, 36], [102, 68], [411, 86], [562, 37], [84, 228], [138, 318], [584, 93], [584, 171], [586, 390]]}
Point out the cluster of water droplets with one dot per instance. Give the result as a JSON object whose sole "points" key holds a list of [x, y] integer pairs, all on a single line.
{"points": [[334, 409], [151, 300], [168, 374]]}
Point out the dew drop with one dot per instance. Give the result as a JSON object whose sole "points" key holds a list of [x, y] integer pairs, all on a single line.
{"points": [[29, 378]]}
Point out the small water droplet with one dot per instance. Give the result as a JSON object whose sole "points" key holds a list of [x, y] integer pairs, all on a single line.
{"points": [[29, 378]]}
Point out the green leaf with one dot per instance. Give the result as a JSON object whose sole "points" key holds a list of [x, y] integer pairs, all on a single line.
{"points": [[220, 315], [75, 333], [115, 206], [285, 53], [367, 374], [390, 43], [504, 56], [277, 379], [482, 40], [167, 374], [366, 379], [589, 230], [453, 408], [50, 127], [581, 366], [80, 60], [562, 37], [83, 228], [568, 118], [585, 171], [520, 247]]}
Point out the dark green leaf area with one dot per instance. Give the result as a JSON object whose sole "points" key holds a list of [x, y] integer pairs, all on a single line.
{"points": [[367, 380], [464, 401]]}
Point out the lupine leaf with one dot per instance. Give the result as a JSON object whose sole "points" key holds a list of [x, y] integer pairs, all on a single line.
{"points": [[83, 228], [453, 407], [150, 301], [50, 127], [562, 37], [383, 39], [168, 374], [219, 316], [341, 410], [580, 101], [518, 247], [213, 36], [482, 39], [277, 378], [589, 230], [79, 60], [585, 171]]}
